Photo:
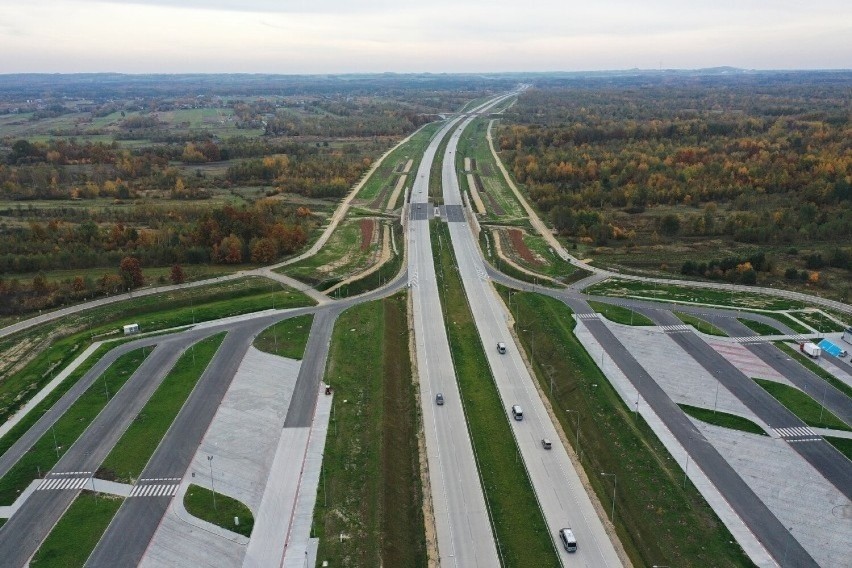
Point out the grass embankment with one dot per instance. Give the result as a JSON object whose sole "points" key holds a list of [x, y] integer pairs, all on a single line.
{"points": [[518, 524], [199, 503], [77, 533], [658, 520], [381, 276], [844, 445], [759, 327], [814, 368], [671, 293], [723, 419], [370, 489], [620, 314], [286, 338], [802, 405], [139, 442], [162, 311], [818, 321], [44, 454], [701, 325]]}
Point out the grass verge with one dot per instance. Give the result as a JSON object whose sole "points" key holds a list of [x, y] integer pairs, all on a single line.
{"points": [[802, 405], [139, 442], [818, 321], [723, 419], [844, 445], [45, 453], [370, 490], [789, 322], [701, 325], [620, 314], [199, 502], [814, 368], [77, 533], [286, 338], [518, 524], [759, 327], [659, 521]]}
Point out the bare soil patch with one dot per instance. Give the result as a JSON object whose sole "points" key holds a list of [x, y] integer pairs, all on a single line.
{"points": [[517, 238], [367, 230]]}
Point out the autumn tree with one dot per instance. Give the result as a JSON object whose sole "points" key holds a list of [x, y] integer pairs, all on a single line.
{"points": [[177, 276], [130, 271]]}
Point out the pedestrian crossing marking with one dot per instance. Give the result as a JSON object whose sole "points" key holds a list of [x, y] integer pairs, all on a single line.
{"points": [[676, 328], [155, 490], [61, 483], [592, 316], [797, 432]]}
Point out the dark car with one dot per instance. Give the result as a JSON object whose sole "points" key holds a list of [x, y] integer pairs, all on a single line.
{"points": [[439, 399]]}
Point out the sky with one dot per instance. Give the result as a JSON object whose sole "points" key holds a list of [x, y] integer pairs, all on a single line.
{"points": [[364, 36]]}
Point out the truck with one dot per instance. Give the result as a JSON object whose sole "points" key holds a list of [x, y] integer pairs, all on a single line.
{"points": [[131, 329], [847, 335], [810, 349]]}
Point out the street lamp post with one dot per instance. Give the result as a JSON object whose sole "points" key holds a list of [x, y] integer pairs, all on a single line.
{"points": [[614, 485], [212, 487], [716, 399], [55, 444], [577, 412]]}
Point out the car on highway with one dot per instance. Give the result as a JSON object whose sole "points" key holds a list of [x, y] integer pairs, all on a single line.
{"points": [[439, 399], [568, 540], [501, 347], [517, 412], [546, 444]]}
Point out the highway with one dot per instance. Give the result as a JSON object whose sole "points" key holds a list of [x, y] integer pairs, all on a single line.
{"points": [[563, 499], [462, 524]]}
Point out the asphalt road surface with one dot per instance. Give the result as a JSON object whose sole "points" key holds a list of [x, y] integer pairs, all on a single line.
{"points": [[563, 500], [461, 520]]}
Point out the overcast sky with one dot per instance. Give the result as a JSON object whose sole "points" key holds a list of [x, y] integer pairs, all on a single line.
{"points": [[339, 36]]}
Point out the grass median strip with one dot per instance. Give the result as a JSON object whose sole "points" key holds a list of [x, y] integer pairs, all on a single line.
{"points": [[46, 452], [802, 405], [759, 327], [789, 322], [520, 529], [723, 419], [286, 338], [218, 509], [659, 520], [128, 458], [77, 533], [620, 314], [369, 505], [701, 325], [809, 364], [844, 445]]}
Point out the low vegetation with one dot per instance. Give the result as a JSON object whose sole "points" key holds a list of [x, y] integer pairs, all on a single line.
{"points": [[806, 408], [659, 521], [515, 515], [789, 322], [700, 324], [370, 490], [620, 314], [723, 419], [818, 321], [139, 442], [286, 338], [77, 533], [199, 502], [759, 327], [49, 448], [844, 445]]}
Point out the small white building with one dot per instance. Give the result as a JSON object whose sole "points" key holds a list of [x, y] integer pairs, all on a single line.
{"points": [[131, 329]]}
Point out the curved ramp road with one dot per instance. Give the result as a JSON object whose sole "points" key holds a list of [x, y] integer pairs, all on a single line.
{"points": [[561, 495], [461, 519]]}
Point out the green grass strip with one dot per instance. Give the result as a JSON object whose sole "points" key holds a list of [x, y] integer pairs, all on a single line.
{"points": [[814, 368], [43, 455], [139, 442], [77, 533], [802, 405], [370, 488], [199, 502], [700, 324], [818, 321], [759, 327], [519, 526], [723, 419], [286, 338], [789, 322], [35, 414], [844, 445], [620, 314], [658, 519]]}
